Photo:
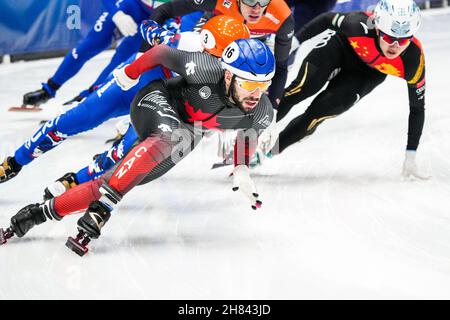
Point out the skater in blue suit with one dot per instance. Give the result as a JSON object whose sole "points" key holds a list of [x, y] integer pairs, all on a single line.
{"points": [[109, 101], [124, 16]]}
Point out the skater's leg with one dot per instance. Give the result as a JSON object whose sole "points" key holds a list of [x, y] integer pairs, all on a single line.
{"points": [[98, 39], [150, 159], [87, 115], [314, 73], [189, 21], [342, 93], [100, 164], [106, 160], [162, 142], [128, 45]]}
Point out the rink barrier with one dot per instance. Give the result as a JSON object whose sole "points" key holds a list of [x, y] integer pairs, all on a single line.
{"points": [[352, 5], [41, 29], [33, 47]]}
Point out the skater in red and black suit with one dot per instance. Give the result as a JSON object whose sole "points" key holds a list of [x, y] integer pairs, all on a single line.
{"points": [[170, 118]]}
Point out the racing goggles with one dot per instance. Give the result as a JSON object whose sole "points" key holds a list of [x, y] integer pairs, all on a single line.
{"points": [[251, 86], [391, 40], [252, 3]]}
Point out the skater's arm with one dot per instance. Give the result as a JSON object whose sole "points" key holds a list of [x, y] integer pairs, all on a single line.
{"points": [[283, 42], [110, 6], [161, 55], [263, 114], [245, 146], [348, 24], [414, 60], [247, 140], [318, 25], [415, 125], [416, 120], [155, 34], [177, 8]]}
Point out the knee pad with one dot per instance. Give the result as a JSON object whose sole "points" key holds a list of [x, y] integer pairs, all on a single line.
{"points": [[45, 139]]}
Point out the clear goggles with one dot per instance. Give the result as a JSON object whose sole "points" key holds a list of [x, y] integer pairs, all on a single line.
{"points": [[252, 3], [391, 40], [251, 86]]}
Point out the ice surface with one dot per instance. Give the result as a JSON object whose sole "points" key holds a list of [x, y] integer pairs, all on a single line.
{"points": [[337, 220]]}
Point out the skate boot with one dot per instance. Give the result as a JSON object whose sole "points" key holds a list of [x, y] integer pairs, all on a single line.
{"points": [[121, 127], [9, 169], [36, 98], [89, 226], [66, 182], [27, 217]]}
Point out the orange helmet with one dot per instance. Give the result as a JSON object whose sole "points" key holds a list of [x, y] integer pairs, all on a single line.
{"points": [[218, 32]]}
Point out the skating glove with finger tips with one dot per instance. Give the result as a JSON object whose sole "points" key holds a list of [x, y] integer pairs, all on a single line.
{"points": [[123, 80], [410, 170], [154, 34], [125, 24], [266, 142], [244, 183]]}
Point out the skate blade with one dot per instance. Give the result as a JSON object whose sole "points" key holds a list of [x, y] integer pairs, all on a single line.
{"points": [[74, 100], [2, 237], [219, 165], [116, 138], [224, 163], [25, 109], [76, 247], [5, 235]]}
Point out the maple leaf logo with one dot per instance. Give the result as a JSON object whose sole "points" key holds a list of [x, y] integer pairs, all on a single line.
{"points": [[199, 116]]}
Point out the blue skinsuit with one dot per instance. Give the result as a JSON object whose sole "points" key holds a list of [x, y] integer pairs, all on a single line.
{"points": [[108, 101], [99, 39]]}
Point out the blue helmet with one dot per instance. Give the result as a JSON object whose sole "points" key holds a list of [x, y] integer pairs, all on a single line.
{"points": [[249, 59]]}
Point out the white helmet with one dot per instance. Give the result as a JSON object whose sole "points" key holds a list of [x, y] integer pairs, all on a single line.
{"points": [[397, 18]]}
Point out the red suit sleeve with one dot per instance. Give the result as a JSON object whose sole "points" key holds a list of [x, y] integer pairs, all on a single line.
{"points": [[245, 147], [158, 55]]}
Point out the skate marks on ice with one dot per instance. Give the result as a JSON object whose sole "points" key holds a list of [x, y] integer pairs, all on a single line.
{"points": [[13, 242], [336, 220]]}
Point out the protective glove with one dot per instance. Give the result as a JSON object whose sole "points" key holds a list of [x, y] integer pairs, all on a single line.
{"points": [[123, 80], [154, 34], [410, 170], [125, 24], [225, 148], [266, 143], [172, 25], [123, 125], [244, 183], [268, 137]]}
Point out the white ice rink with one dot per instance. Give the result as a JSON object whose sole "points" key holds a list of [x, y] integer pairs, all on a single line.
{"points": [[337, 221]]}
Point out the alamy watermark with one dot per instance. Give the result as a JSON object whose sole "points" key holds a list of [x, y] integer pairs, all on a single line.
{"points": [[73, 21]]}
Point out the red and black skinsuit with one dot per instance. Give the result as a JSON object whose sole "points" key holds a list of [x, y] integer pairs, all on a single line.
{"points": [[170, 118], [351, 48]]}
